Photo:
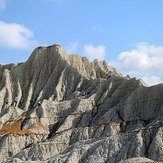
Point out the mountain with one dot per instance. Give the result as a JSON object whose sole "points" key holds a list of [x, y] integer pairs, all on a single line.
{"points": [[68, 111]]}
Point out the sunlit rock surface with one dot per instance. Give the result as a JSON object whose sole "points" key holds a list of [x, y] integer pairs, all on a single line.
{"points": [[68, 111]]}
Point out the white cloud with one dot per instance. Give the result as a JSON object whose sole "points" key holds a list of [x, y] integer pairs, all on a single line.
{"points": [[95, 52], [3, 4], [72, 48], [14, 35], [144, 60], [151, 80]]}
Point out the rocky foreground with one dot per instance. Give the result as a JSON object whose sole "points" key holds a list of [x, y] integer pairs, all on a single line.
{"points": [[68, 112]]}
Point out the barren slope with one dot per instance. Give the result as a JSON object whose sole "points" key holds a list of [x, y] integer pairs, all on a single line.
{"points": [[117, 119]]}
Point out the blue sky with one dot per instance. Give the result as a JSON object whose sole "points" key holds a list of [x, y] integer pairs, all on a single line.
{"points": [[126, 33]]}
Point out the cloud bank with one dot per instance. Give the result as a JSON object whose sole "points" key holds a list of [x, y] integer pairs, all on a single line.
{"points": [[13, 35], [151, 80], [94, 52], [145, 61]]}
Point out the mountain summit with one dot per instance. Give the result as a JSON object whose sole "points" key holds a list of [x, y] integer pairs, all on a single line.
{"points": [[62, 108], [49, 73]]}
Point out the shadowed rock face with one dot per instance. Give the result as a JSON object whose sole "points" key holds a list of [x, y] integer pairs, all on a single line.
{"points": [[68, 112]]}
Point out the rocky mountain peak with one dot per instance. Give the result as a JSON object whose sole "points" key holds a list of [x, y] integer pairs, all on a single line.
{"points": [[62, 108], [51, 54]]}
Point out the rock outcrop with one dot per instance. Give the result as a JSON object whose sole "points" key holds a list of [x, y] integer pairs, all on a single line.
{"points": [[68, 111]]}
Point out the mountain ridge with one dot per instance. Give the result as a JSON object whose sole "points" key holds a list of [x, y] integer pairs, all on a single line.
{"points": [[68, 111]]}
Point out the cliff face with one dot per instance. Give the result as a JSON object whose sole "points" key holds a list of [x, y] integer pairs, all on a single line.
{"points": [[68, 112], [48, 74]]}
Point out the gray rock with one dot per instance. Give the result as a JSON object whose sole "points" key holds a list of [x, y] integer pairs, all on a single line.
{"points": [[68, 112]]}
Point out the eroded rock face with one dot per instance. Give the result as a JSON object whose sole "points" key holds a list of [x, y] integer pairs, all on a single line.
{"points": [[138, 160], [68, 112]]}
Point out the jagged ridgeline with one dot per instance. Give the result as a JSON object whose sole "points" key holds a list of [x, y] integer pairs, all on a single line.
{"points": [[62, 108]]}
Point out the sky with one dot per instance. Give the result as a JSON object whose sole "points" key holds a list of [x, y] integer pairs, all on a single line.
{"points": [[128, 34]]}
